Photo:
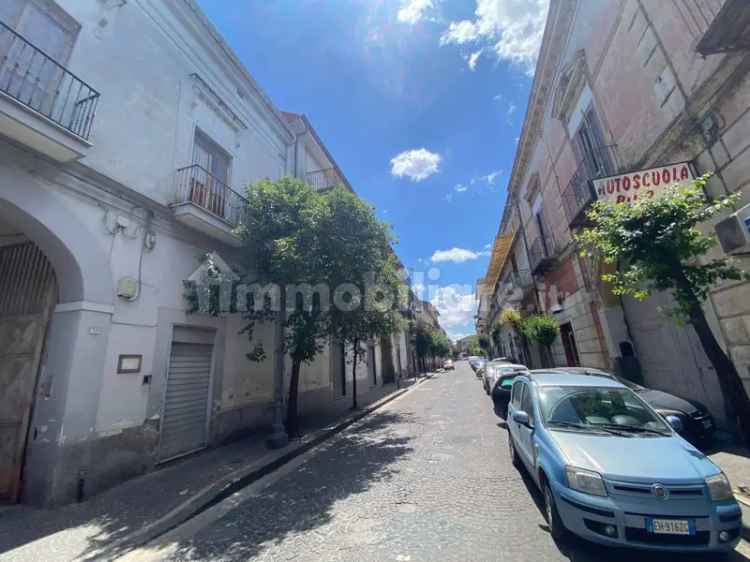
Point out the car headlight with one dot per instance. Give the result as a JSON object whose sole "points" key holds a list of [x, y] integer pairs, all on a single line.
{"points": [[719, 487], [585, 481]]}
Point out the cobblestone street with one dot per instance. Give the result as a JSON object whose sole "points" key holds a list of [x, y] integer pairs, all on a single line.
{"points": [[426, 478]]}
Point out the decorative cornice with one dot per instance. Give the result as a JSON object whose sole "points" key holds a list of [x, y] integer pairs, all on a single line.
{"points": [[559, 19], [219, 106]]}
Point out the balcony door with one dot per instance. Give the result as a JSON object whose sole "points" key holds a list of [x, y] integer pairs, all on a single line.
{"points": [[32, 69], [209, 182]]}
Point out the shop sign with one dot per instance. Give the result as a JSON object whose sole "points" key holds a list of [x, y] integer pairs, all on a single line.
{"points": [[642, 184]]}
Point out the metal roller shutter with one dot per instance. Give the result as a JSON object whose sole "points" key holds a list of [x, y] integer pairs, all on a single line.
{"points": [[185, 421]]}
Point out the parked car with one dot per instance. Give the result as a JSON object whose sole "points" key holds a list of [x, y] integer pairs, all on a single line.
{"points": [[448, 365], [697, 423], [474, 361], [479, 368], [492, 372], [613, 471], [500, 387]]}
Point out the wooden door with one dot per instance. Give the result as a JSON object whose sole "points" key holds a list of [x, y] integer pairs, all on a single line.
{"points": [[27, 294]]}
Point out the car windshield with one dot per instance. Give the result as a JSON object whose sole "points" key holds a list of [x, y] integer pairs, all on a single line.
{"points": [[598, 408]]}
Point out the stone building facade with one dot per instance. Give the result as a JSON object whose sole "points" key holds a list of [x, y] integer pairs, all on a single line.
{"points": [[620, 86]]}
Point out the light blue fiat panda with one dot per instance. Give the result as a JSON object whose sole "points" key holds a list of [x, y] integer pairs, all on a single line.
{"points": [[613, 471]]}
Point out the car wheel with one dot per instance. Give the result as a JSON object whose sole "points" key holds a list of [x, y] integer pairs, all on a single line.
{"points": [[513, 455], [555, 524]]}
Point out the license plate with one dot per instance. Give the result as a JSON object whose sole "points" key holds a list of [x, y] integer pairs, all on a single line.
{"points": [[670, 526], [707, 424]]}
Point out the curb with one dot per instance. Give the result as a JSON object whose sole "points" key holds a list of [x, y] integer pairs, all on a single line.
{"points": [[220, 490]]}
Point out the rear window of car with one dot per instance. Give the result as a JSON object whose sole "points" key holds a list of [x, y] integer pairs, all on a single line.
{"points": [[507, 382]]}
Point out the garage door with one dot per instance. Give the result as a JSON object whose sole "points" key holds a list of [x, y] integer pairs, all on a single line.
{"points": [[186, 403]]}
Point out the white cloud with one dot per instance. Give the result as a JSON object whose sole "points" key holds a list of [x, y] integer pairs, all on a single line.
{"points": [[488, 245], [460, 188], [417, 165], [514, 29], [489, 178], [457, 306], [460, 32], [456, 255], [413, 11], [472, 59], [511, 109]]}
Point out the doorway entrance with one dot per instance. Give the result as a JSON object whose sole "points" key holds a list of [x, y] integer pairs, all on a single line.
{"points": [[28, 293], [569, 344]]}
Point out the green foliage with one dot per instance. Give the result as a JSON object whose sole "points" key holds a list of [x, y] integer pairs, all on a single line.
{"points": [[657, 245], [440, 344], [357, 252], [430, 342], [540, 328], [510, 316]]}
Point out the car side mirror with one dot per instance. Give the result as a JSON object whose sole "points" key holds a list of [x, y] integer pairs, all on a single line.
{"points": [[522, 418], [675, 422]]}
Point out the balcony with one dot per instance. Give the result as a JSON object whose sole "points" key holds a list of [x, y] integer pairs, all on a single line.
{"points": [[42, 104], [207, 204], [518, 285], [723, 24], [579, 193], [542, 254], [323, 179]]}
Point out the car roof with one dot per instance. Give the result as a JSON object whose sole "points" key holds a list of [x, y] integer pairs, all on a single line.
{"points": [[511, 366], [559, 378], [576, 371]]}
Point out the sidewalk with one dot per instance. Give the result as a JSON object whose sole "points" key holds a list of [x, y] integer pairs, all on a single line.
{"points": [[735, 462], [142, 508]]}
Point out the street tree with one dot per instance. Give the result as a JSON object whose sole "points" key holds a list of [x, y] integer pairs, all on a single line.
{"points": [[657, 245], [359, 257], [440, 345], [542, 329], [282, 236]]}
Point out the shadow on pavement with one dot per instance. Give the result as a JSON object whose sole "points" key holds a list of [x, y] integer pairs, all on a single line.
{"points": [[304, 499]]}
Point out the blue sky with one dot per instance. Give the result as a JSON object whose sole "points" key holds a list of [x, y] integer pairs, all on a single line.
{"points": [[420, 102]]}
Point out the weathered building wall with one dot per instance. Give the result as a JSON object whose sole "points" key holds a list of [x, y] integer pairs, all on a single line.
{"points": [[657, 101]]}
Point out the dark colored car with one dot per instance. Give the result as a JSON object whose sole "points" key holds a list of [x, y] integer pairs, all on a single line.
{"points": [[502, 385], [697, 423]]}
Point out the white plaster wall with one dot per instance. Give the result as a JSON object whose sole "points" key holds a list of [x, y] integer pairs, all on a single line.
{"points": [[140, 57], [247, 382]]}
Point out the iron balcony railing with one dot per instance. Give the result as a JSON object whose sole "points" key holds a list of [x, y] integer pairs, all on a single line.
{"points": [[198, 186], [542, 253], [36, 80], [323, 179], [579, 193]]}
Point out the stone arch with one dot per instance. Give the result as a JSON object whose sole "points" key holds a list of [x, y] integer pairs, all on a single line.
{"points": [[43, 216]]}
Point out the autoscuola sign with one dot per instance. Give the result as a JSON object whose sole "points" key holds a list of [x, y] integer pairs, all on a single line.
{"points": [[643, 184]]}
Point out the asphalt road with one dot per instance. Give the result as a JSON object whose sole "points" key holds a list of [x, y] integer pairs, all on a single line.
{"points": [[426, 478]]}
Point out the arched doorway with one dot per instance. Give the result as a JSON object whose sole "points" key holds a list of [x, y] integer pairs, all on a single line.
{"points": [[28, 294]]}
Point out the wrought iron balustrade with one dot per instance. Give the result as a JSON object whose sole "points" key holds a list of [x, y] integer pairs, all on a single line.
{"points": [[323, 179], [39, 82], [198, 186]]}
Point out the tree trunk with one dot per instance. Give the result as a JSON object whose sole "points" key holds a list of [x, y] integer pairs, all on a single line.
{"points": [[292, 415], [354, 375], [729, 379]]}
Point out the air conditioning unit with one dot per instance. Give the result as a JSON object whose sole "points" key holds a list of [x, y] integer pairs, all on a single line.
{"points": [[734, 232]]}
